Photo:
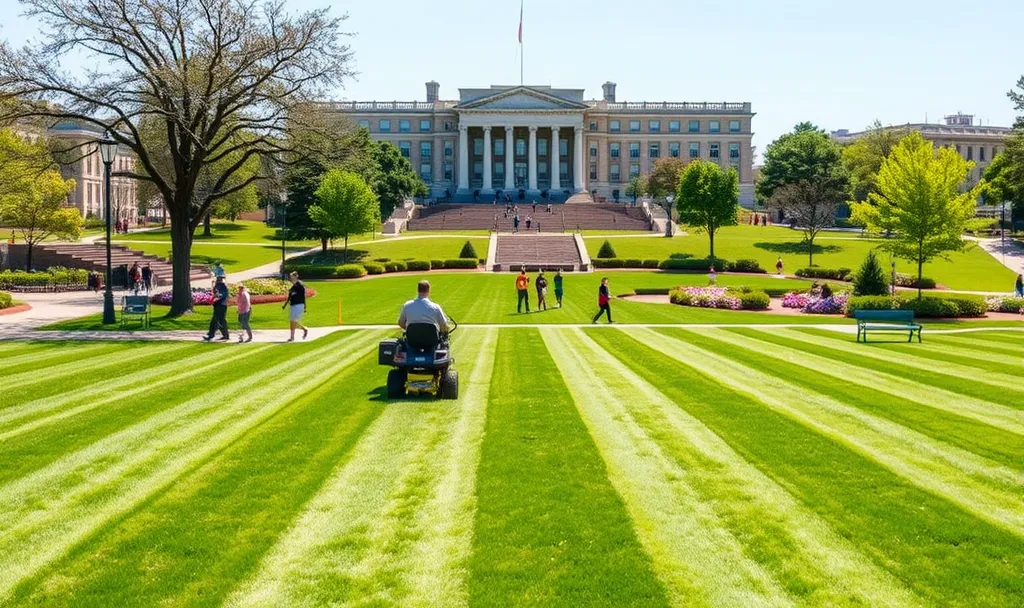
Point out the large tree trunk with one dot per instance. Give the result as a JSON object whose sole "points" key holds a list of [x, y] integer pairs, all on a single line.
{"points": [[323, 244], [206, 225], [28, 255], [920, 268], [810, 250], [711, 238], [181, 255]]}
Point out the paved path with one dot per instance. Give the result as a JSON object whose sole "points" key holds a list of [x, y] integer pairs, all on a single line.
{"points": [[1010, 254]]}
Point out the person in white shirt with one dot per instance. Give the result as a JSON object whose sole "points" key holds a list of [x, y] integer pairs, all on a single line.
{"points": [[422, 310]]}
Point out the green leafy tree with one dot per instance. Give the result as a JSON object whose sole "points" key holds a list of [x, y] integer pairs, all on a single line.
{"points": [[606, 251], [636, 187], [708, 198], [468, 251], [39, 211], [863, 158], [870, 278], [663, 181], [999, 182], [345, 205], [394, 180], [920, 202]]}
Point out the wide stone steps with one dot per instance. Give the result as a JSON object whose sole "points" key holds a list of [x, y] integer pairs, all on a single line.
{"points": [[93, 256], [563, 218], [537, 251]]}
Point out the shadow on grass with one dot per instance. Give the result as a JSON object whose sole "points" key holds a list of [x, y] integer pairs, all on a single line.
{"points": [[794, 247], [210, 260]]}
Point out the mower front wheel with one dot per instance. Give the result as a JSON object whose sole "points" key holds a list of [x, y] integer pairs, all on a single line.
{"points": [[396, 384], [450, 384]]}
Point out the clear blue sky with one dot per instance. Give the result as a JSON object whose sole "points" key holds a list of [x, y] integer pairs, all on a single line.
{"points": [[838, 64]]}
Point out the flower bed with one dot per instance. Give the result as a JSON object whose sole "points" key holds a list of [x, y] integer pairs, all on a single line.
{"points": [[814, 305], [55, 278], [1013, 304], [202, 296], [714, 297]]}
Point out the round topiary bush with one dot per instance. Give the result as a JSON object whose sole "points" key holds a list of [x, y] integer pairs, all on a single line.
{"points": [[755, 300], [6, 301], [350, 271], [468, 252], [606, 251], [396, 266], [374, 267]]}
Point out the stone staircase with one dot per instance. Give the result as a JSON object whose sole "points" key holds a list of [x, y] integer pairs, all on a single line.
{"points": [[563, 217], [537, 252], [93, 256]]}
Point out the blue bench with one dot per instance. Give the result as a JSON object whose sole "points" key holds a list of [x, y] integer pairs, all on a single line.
{"points": [[135, 306], [886, 320]]}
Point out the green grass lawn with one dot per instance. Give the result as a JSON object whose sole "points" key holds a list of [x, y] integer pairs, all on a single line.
{"points": [[413, 246], [603, 466], [973, 270], [234, 257], [222, 232]]}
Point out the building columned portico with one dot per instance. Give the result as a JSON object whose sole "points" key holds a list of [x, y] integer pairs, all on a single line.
{"points": [[539, 140]]}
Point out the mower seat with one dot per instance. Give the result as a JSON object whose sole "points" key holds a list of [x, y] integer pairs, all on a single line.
{"points": [[423, 337]]}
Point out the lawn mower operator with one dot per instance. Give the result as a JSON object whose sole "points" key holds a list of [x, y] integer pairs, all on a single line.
{"points": [[422, 310]]}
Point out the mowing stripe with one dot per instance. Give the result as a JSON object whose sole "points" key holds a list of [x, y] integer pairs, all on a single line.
{"points": [[985, 345], [390, 526], [1000, 337], [990, 491], [987, 412], [44, 514], [736, 491], [41, 354], [64, 368], [964, 351], [695, 556], [103, 392]]}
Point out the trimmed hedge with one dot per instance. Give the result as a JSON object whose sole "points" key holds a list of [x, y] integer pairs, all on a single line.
{"points": [[374, 268], [926, 307], [311, 271], [906, 280], [350, 271], [607, 262], [55, 276], [652, 291], [436, 264], [702, 265], [755, 300], [651, 263], [396, 266], [6, 301], [417, 265], [745, 266], [382, 260], [835, 274], [461, 263]]}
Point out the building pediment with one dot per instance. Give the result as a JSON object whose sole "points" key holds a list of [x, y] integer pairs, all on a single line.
{"points": [[520, 98]]}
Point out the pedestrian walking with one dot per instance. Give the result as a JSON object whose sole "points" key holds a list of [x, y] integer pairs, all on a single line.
{"points": [[135, 277], [523, 291], [529, 220], [604, 299], [218, 272], [147, 277], [712, 275], [542, 291], [515, 223], [535, 207], [1019, 287], [220, 311], [558, 287], [244, 305], [778, 265], [297, 303]]}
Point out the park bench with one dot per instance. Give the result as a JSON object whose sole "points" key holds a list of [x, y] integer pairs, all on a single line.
{"points": [[135, 306], [886, 320]]}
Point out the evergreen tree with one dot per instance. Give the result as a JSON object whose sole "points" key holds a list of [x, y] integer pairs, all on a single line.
{"points": [[468, 251], [607, 251], [870, 278]]}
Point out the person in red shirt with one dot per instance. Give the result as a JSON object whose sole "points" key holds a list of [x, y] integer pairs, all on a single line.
{"points": [[604, 298]]}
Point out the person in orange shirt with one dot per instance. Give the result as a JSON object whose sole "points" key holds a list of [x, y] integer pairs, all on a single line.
{"points": [[523, 289]]}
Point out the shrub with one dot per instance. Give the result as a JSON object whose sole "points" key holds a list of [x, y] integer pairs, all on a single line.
{"points": [[311, 271], [263, 287], [468, 252], [606, 251], [679, 296], [775, 292], [632, 263], [418, 265], [396, 266], [745, 266], [906, 280], [702, 265], [481, 261], [350, 271], [706, 297], [436, 264], [382, 260], [755, 300], [94, 222], [56, 276], [870, 278], [835, 274], [652, 291], [872, 303], [969, 306], [374, 268], [461, 263], [6, 301], [607, 262], [651, 263], [931, 307], [1005, 304]]}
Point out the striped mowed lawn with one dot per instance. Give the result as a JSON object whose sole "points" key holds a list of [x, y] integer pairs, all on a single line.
{"points": [[579, 467]]}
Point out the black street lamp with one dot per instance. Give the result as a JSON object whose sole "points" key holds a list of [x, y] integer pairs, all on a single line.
{"points": [[284, 229], [108, 150]]}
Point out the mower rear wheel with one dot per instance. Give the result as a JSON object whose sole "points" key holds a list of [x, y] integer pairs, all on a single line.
{"points": [[396, 384], [450, 384]]}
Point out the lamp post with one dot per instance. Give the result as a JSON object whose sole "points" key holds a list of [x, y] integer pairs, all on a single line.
{"points": [[284, 228], [108, 149], [669, 198], [892, 280]]}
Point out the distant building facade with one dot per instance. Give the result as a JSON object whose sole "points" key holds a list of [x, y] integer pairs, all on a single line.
{"points": [[86, 168], [539, 138]]}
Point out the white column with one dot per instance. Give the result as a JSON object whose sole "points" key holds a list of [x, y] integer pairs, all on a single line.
{"points": [[487, 158], [510, 149], [532, 155], [577, 165], [463, 157], [555, 176]]}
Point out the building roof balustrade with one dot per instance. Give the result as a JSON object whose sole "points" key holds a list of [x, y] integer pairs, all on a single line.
{"points": [[672, 106], [388, 106]]}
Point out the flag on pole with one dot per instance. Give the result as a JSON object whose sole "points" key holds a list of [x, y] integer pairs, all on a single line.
{"points": [[520, 21]]}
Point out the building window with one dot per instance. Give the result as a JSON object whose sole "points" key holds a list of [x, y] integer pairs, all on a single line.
{"points": [[654, 126], [613, 149], [542, 147], [542, 170], [958, 149], [449, 126], [478, 170], [734, 151], [614, 173], [404, 126], [634, 170], [673, 126], [384, 126], [478, 147], [424, 126], [563, 171], [426, 149], [593, 150], [499, 172], [673, 149], [365, 124], [713, 151], [520, 147], [694, 149], [714, 126], [426, 173], [634, 149], [499, 147], [970, 152], [447, 171], [694, 126], [593, 125], [613, 126], [406, 148], [654, 150], [448, 149], [734, 126], [634, 126], [563, 147], [981, 153], [593, 171]]}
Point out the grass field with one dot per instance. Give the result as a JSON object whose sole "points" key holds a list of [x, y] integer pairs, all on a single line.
{"points": [[221, 232], [235, 258], [645, 467], [973, 270]]}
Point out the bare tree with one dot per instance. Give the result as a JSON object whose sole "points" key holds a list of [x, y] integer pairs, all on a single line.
{"points": [[812, 205], [225, 80]]}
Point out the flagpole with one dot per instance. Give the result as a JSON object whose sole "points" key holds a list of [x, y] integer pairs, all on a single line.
{"points": [[521, 58]]}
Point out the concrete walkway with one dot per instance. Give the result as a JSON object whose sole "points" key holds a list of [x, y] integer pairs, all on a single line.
{"points": [[1009, 254]]}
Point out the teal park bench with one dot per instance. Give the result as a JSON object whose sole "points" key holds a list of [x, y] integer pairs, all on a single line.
{"points": [[886, 320], [135, 306]]}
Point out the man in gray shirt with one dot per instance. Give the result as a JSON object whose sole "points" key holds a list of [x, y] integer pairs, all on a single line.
{"points": [[422, 310]]}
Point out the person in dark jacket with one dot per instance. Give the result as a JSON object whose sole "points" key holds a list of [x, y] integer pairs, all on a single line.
{"points": [[147, 277], [542, 291], [603, 301], [297, 302], [220, 311]]}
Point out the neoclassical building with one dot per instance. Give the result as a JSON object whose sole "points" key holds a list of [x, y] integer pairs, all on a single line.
{"points": [[543, 139], [86, 167]]}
